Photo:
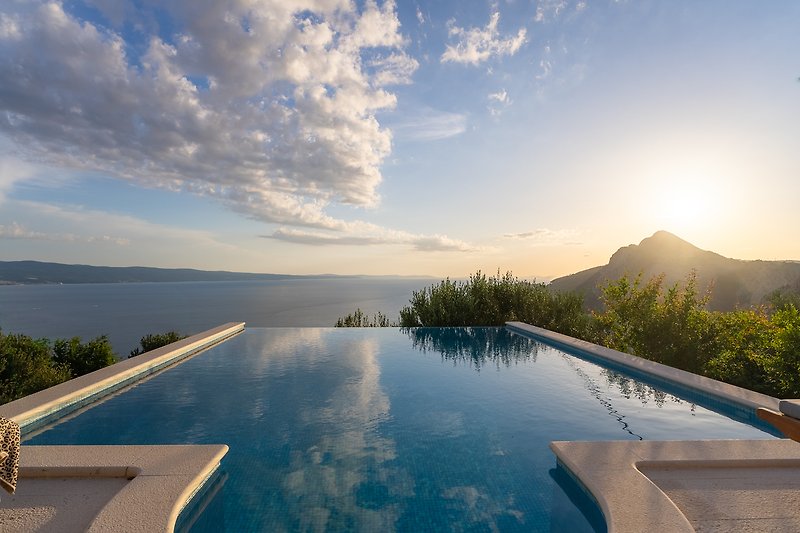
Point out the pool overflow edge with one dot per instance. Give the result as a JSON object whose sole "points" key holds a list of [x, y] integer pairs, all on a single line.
{"points": [[40, 408], [735, 402]]}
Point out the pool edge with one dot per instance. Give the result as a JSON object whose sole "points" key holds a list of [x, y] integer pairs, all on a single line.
{"points": [[711, 387], [64, 397]]}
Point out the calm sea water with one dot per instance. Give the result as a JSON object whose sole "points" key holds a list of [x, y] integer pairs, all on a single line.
{"points": [[127, 311]]}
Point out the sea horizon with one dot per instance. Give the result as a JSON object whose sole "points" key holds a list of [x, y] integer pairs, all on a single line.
{"points": [[127, 311]]}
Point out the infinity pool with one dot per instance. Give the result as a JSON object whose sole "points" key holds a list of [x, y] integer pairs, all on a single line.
{"points": [[389, 430]]}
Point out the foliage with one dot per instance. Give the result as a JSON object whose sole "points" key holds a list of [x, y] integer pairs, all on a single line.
{"points": [[782, 299], [155, 340], [358, 319], [759, 351], [493, 301], [29, 365], [26, 366], [673, 328], [757, 348], [82, 358]]}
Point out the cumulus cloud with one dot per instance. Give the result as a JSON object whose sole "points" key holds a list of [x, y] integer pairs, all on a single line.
{"points": [[476, 45], [368, 234], [266, 105]]}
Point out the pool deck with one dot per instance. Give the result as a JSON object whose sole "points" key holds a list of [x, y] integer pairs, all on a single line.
{"points": [[106, 488], [683, 486]]}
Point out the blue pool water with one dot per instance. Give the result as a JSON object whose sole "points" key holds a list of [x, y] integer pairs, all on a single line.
{"points": [[390, 430]]}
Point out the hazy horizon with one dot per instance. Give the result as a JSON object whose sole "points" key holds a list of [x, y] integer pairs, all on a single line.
{"points": [[395, 138]]}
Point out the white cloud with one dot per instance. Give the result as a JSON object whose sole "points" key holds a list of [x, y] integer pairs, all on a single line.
{"points": [[545, 236], [426, 124], [498, 101], [17, 231], [125, 229], [12, 170], [545, 63], [500, 96], [551, 9], [476, 45], [266, 105], [319, 239], [394, 69], [364, 234]]}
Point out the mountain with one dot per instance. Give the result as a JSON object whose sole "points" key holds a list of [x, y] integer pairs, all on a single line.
{"points": [[35, 272], [734, 282]]}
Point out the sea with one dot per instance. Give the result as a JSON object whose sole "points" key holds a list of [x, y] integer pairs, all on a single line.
{"points": [[125, 312]]}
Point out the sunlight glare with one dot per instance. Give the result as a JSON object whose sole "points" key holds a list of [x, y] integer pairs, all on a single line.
{"points": [[686, 202]]}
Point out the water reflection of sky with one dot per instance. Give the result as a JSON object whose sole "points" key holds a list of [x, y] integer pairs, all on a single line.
{"points": [[383, 430]]}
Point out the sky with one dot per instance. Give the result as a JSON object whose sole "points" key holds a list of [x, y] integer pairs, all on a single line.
{"points": [[401, 138]]}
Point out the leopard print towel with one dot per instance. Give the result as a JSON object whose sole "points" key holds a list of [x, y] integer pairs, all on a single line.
{"points": [[9, 445]]}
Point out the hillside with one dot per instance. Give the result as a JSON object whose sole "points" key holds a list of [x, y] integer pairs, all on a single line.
{"points": [[35, 272], [735, 282]]}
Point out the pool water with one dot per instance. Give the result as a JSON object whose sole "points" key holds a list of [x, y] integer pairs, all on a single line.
{"points": [[390, 430]]}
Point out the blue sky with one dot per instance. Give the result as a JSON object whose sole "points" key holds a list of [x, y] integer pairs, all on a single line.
{"points": [[433, 138]]}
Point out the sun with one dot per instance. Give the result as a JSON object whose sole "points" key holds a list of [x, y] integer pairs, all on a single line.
{"points": [[685, 202]]}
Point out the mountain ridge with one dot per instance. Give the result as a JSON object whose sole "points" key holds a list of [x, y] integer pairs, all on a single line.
{"points": [[734, 282]]}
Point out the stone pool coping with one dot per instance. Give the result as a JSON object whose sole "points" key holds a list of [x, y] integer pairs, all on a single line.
{"points": [[685, 486], [71, 394], [107, 488]]}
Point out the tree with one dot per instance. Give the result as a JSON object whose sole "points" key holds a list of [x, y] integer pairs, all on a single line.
{"points": [[82, 358], [26, 366]]}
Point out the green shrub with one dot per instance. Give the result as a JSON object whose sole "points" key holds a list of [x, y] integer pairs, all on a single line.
{"points": [[82, 358], [155, 340], [26, 366], [758, 351], [743, 347], [673, 328], [493, 301]]}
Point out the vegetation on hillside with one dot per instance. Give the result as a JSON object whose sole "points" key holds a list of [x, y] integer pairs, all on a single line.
{"points": [[757, 348]]}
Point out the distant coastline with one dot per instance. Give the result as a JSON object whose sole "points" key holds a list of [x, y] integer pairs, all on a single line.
{"points": [[43, 273]]}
